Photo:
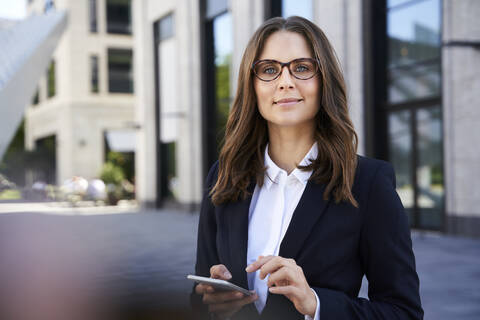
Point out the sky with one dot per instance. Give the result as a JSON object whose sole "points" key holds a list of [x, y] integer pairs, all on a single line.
{"points": [[13, 9]]}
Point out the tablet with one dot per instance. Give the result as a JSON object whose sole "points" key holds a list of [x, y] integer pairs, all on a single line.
{"points": [[219, 284]]}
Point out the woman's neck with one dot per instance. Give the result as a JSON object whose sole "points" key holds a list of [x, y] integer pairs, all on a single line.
{"points": [[288, 146]]}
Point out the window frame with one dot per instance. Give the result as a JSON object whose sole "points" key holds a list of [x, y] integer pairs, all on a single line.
{"points": [[112, 28], [109, 70]]}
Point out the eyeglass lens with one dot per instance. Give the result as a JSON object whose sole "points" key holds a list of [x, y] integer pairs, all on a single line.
{"points": [[300, 68]]}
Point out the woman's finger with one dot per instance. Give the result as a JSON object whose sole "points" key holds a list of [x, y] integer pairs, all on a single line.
{"points": [[232, 305], [281, 277], [274, 264], [222, 296], [219, 271], [202, 288], [288, 291], [254, 266]]}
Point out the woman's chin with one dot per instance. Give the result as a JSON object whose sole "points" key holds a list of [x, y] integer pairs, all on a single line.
{"points": [[288, 122]]}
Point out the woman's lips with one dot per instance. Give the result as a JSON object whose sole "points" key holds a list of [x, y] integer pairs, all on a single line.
{"points": [[287, 102]]}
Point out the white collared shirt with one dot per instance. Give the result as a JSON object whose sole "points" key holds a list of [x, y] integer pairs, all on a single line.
{"points": [[270, 212]]}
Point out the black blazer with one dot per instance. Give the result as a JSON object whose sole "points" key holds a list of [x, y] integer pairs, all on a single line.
{"points": [[335, 244]]}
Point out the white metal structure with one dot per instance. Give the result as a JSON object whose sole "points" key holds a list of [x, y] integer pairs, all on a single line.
{"points": [[27, 47]]}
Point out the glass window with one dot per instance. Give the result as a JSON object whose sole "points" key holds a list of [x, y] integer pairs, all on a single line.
{"points": [[166, 27], [394, 3], [36, 97], [93, 15], [400, 142], [216, 7], [413, 31], [45, 169], [222, 35], [169, 114], [119, 17], [302, 8], [430, 167], [94, 74], [412, 106], [120, 71], [412, 82], [51, 80]]}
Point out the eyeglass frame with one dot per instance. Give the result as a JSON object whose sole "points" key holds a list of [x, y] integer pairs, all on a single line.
{"points": [[286, 64]]}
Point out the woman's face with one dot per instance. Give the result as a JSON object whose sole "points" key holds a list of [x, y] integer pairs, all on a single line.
{"points": [[287, 101]]}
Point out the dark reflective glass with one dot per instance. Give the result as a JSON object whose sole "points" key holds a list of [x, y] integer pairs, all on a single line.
{"points": [[216, 7], [51, 82], [400, 142], [394, 3], [36, 97], [413, 31], [93, 15], [166, 27], [45, 170], [412, 82], [223, 46], [119, 17], [430, 197], [120, 70], [94, 74], [269, 70]]}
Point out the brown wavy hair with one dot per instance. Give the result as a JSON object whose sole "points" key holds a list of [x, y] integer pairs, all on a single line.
{"points": [[241, 158]]}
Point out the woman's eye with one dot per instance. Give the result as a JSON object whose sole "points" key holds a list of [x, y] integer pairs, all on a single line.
{"points": [[269, 70], [301, 68]]}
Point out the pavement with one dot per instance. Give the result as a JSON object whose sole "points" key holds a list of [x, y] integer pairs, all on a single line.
{"points": [[140, 258]]}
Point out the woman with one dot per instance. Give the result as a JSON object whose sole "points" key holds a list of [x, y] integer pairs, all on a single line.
{"points": [[290, 211]]}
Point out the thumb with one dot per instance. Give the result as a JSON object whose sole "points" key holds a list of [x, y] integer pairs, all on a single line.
{"points": [[219, 271]]}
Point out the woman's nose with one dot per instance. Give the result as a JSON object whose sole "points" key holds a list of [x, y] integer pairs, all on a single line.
{"points": [[285, 79]]}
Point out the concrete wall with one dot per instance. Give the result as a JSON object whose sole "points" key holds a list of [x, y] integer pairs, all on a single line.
{"points": [[461, 115], [186, 93], [341, 21], [76, 116], [247, 16], [145, 153]]}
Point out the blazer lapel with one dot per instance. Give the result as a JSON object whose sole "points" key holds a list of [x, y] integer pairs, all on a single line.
{"points": [[237, 222], [309, 209]]}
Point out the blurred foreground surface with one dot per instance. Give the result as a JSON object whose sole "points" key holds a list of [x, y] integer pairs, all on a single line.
{"points": [[79, 264]]}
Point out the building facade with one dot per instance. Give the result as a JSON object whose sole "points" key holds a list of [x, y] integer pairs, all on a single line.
{"points": [[85, 103], [410, 69]]}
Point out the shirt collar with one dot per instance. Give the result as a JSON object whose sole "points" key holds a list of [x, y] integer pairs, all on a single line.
{"points": [[273, 171], [302, 175], [271, 175]]}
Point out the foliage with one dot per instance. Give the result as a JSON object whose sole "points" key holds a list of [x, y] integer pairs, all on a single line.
{"points": [[10, 195], [15, 158], [222, 83], [112, 174], [116, 173], [123, 160], [51, 79]]}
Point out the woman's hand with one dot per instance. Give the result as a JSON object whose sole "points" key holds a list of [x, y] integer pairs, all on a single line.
{"points": [[223, 303], [286, 278]]}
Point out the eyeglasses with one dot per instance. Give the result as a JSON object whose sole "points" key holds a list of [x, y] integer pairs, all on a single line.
{"points": [[269, 70]]}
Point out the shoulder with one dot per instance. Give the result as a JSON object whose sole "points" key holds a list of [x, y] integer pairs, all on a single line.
{"points": [[366, 164], [369, 168], [371, 175], [212, 176]]}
